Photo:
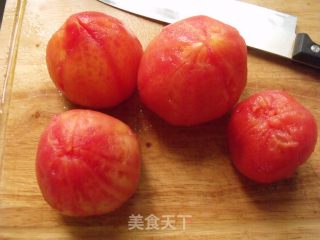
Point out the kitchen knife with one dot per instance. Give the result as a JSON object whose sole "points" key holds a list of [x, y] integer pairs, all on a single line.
{"points": [[262, 28]]}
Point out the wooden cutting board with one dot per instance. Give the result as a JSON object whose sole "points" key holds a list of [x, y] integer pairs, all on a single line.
{"points": [[186, 172]]}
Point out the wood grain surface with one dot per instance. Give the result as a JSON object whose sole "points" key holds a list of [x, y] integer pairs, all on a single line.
{"points": [[186, 171]]}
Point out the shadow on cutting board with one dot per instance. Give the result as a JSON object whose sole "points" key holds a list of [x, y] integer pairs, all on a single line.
{"points": [[194, 142], [272, 198]]}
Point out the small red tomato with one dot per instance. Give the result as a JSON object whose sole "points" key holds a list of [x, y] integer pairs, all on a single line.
{"points": [[193, 71], [88, 163], [93, 59], [270, 134]]}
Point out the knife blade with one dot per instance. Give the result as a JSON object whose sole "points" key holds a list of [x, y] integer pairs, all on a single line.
{"points": [[264, 29]]}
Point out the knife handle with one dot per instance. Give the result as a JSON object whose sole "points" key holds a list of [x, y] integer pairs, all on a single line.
{"points": [[306, 51]]}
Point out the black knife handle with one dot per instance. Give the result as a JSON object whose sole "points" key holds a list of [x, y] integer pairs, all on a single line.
{"points": [[306, 51]]}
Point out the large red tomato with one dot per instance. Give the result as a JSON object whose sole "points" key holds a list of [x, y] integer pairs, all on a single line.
{"points": [[93, 59], [193, 71], [270, 134], [88, 163]]}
